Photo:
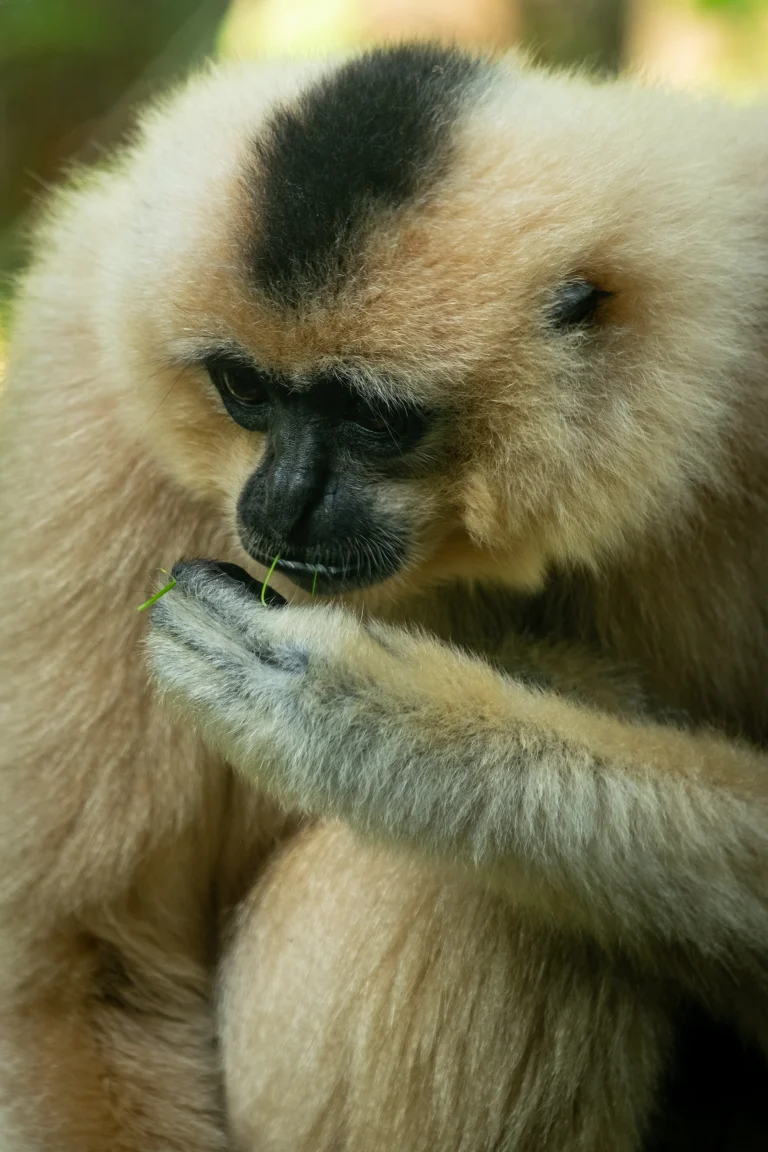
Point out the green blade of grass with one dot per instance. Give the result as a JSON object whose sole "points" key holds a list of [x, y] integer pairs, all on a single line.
{"points": [[153, 599], [314, 581], [266, 582]]}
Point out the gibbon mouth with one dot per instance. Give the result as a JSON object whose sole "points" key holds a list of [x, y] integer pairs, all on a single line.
{"points": [[324, 579]]}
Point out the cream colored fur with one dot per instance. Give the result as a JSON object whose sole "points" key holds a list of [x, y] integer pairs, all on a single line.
{"points": [[492, 964]]}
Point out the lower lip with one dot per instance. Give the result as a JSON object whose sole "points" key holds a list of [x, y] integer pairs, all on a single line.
{"points": [[321, 578], [324, 580]]}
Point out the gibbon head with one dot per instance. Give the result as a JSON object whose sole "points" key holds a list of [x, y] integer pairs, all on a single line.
{"points": [[419, 315]]}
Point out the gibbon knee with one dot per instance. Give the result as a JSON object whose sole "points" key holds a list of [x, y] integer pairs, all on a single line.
{"points": [[368, 1002]]}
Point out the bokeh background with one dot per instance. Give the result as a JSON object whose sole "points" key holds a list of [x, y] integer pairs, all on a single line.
{"points": [[72, 72]]}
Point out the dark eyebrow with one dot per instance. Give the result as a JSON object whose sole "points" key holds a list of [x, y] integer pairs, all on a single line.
{"points": [[339, 375], [200, 353]]}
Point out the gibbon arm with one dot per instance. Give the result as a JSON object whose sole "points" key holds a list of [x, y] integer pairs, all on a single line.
{"points": [[649, 835]]}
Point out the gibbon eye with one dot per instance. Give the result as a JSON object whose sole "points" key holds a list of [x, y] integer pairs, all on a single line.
{"points": [[244, 383], [576, 304], [402, 425], [368, 416]]}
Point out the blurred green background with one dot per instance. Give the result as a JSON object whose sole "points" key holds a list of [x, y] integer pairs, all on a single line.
{"points": [[73, 71]]}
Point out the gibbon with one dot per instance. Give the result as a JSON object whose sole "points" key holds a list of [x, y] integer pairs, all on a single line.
{"points": [[465, 847]]}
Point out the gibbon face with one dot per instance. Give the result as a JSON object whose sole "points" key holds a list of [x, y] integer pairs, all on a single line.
{"points": [[420, 315]]}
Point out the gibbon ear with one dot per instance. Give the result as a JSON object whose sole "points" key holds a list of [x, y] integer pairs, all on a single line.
{"points": [[576, 303]]}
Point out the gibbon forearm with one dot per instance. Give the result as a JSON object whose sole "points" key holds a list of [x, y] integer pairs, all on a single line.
{"points": [[637, 831], [647, 847], [632, 824]]}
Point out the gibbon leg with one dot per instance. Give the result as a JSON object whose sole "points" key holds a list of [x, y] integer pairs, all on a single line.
{"points": [[102, 1060], [81, 1072], [370, 1003]]}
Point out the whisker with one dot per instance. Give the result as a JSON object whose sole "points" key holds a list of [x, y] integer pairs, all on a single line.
{"points": [[165, 397]]}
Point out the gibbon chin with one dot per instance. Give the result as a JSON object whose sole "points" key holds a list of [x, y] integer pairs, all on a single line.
{"points": [[465, 846]]}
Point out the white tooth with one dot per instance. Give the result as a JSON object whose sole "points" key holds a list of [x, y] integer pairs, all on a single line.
{"points": [[298, 566]]}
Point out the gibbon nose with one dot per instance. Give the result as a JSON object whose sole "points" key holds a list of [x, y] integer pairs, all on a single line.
{"points": [[293, 481]]}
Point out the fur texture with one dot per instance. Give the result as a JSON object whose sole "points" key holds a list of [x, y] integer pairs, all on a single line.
{"points": [[543, 851]]}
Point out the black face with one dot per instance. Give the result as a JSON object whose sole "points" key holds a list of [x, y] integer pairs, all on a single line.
{"points": [[312, 500]]}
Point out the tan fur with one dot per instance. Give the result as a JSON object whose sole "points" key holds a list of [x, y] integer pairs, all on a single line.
{"points": [[403, 1010], [372, 998]]}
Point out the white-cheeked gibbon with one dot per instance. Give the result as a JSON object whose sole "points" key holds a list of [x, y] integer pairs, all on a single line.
{"points": [[465, 846]]}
